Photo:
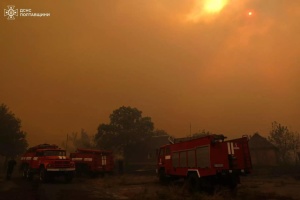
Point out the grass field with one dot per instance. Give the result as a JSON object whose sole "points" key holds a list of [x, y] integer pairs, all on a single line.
{"points": [[147, 187]]}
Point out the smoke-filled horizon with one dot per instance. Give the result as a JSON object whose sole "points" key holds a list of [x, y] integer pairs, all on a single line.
{"points": [[228, 66]]}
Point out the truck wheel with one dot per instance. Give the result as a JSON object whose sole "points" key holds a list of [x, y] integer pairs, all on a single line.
{"points": [[193, 183], [93, 174], [162, 176], [69, 177], [233, 182], [24, 173], [27, 174], [101, 174], [43, 175], [79, 170]]}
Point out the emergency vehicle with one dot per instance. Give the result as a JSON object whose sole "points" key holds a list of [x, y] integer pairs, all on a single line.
{"points": [[48, 161], [93, 162], [205, 161]]}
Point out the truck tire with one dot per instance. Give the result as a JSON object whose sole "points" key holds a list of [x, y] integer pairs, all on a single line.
{"points": [[24, 172], [79, 170], [27, 174], [69, 177], [93, 174], [193, 182], [162, 176], [43, 176], [233, 181]]}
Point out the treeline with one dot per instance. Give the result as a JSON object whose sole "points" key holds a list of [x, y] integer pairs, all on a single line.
{"points": [[128, 132]]}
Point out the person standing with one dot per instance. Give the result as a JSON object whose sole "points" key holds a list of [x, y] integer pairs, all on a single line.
{"points": [[10, 168]]}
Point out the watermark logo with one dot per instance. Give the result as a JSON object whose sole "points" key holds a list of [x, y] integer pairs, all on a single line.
{"points": [[10, 12], [23, 12]]}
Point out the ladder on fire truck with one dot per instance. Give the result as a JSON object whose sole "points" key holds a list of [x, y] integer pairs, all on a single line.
{"points": [[184, 139]]}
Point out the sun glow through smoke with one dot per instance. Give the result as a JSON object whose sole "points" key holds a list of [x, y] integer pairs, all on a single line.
{"points": [[206, 8], [213, 6]]}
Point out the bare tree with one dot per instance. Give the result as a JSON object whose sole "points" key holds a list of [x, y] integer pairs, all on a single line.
{"points": [[286, 141], [296, 146], [82, 140]]}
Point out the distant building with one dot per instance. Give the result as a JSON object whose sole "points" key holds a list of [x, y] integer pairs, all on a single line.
{"points": [[263, 153]]}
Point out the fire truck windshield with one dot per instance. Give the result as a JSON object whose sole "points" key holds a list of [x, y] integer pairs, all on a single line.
{"points": [[54, 153], [162, 152]]}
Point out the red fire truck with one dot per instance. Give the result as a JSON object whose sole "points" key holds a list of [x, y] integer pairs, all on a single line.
{"points": [[93, 162], [48, 161], [205, 161]]}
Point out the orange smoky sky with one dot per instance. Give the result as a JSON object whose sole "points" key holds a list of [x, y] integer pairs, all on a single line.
{"points": [[206, 63]]}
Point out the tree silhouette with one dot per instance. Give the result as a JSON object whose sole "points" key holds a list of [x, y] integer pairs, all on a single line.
{"points": [[81, 140], [126, 131], [286, 141], [12, 138]]}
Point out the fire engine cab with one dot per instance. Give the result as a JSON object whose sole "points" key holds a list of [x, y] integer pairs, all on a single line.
{"points": [[48, 161], [93, 162], [205, 161]]}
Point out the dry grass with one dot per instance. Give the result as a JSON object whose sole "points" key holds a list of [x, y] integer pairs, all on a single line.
{"points": [[143, 187], [148, 187]]}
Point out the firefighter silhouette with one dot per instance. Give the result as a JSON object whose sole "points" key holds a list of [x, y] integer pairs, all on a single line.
{"points": [[10, 168]]}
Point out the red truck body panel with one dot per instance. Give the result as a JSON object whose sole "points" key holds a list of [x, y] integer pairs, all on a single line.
{"points": [[48, 161], [96, 161], [207, 156]]}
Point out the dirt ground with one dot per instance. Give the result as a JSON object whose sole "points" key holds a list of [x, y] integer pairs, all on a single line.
{"points": [[144, 187]]}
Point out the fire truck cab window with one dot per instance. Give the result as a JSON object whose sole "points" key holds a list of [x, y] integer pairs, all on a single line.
{"points": [[162, 152], [168, 151], [39, 153]]}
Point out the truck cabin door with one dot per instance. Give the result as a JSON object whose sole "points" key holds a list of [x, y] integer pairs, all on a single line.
{"points": [[161, 156], [104, 160], [35, 159], [164, 156]]}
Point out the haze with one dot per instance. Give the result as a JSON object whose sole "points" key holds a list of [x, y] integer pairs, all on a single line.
{"points": [[221, 70]]}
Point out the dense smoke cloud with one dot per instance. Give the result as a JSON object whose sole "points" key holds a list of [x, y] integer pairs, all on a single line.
{"points": [[226, 72]]}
